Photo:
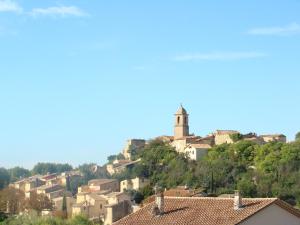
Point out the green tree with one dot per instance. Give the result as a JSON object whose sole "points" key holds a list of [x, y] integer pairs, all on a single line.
{"points": [[297, 136], [111, 158], [64, 207], [44, 168], [17, 173], [12, 200], [4, 178], [236, 137], [38, 202]]}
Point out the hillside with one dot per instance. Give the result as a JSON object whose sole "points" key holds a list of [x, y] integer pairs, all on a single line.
{"points": [[270, 170]]}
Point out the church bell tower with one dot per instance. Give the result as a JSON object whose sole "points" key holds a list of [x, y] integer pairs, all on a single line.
{"points": [[181, 128]]}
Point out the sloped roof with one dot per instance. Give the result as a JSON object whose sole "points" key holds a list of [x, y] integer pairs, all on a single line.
{"points": [[202, 146], [273, 135], [96, 182], [226, 132], [206, 211], [181, 111]]}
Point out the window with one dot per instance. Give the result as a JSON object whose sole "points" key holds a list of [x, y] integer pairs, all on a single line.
{"points": [[100, 206], [178, 119]]}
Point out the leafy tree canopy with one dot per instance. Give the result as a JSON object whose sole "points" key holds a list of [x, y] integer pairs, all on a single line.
{"points": [[44, 168]]}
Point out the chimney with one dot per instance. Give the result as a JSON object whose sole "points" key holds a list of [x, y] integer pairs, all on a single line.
{"points": [[237, 202], [160, 202], [158, 208]]}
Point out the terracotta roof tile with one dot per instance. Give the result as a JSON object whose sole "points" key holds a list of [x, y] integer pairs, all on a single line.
{"points": [[226, 132], [192, 211]]}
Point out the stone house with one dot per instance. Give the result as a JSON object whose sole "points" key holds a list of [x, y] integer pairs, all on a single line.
{"points": [[117, 211], [103, 184], [132, 147], [51, 191], [134, 184], [273, 137], [196, 151], [58, 204], [120, 165], [224, 136], [96, 205], [29, 183]]}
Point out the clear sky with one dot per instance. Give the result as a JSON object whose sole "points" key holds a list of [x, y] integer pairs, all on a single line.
{"points": [[78, 78]]}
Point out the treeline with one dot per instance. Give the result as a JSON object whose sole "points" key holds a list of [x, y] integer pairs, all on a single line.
{"points": [[270, 170], [33, 219]]}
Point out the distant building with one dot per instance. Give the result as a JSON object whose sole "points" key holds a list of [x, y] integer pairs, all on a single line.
{"points": [[192, 146], [103, 205], [29, 183], [196, 151], [119, 166], [117, 211], [224, 136], [51, 191], [103, 184], [274, 137], [195, 147], [134, 184], [181, 128], [133, 146], [58, 204]]}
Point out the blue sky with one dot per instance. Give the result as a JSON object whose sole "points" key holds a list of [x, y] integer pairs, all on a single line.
{"points": [[78, 78]]}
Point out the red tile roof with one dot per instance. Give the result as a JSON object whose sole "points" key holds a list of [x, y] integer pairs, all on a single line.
{"points": [[204, 211]]}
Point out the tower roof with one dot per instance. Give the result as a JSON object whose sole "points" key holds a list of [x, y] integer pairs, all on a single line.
{"points": [[181, 111]]}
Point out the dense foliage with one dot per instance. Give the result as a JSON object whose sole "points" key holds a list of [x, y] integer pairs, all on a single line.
{"points": [[33, 219], [297, 136], [4, 178], [44, 168], [270, 170]]}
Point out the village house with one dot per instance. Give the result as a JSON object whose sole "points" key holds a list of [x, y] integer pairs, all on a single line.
{"points": [[27, 184], [274, 137], [95, 205], [51, 191], [134, 184], [103, 184], [116, 211], [119, 166], [132, 147], [58, 204], [196, 151], [99, 197], [213, 211], [224, 136]]}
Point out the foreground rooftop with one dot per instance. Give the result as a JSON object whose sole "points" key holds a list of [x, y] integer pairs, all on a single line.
{"points": [[199, 210]]}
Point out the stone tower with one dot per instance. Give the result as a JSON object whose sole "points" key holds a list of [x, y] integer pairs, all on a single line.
{"points": [[181, 127]]}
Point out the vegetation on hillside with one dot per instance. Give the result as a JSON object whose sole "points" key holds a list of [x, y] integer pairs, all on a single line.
{"points": [[270, 170], [34, 219]]}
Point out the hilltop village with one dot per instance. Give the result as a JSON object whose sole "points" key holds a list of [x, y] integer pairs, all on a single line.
{"points": [[111, 198], [193, 146]]}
